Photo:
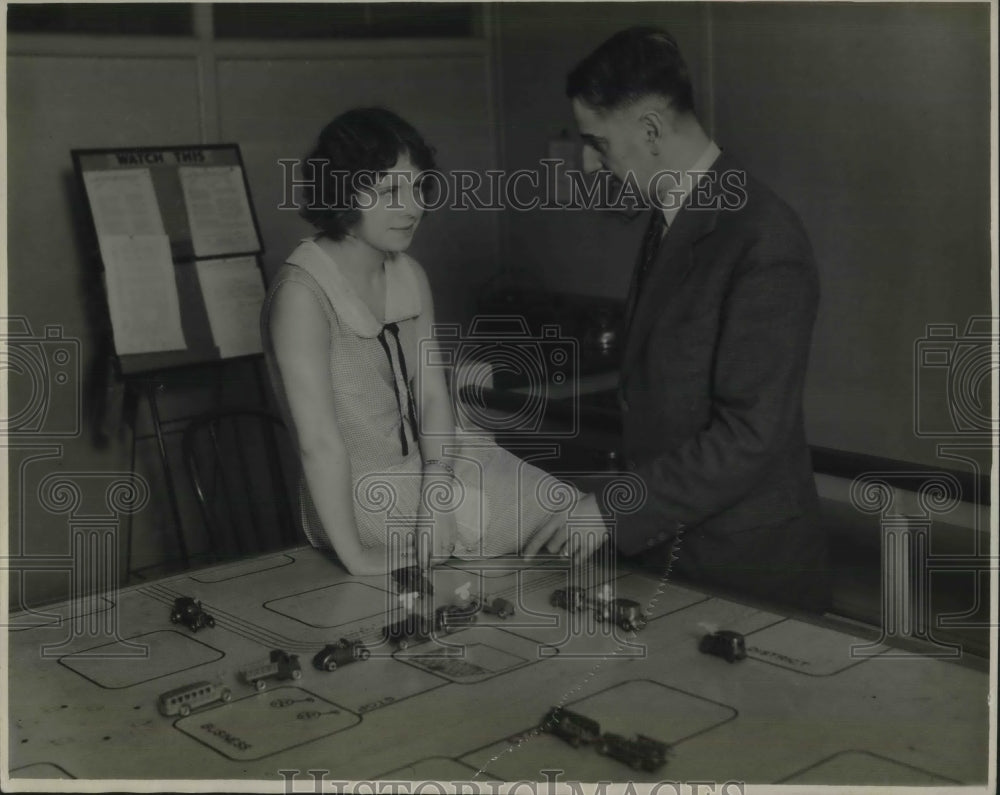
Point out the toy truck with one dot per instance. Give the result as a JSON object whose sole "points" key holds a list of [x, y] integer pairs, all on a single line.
{"points": [[181, 700], [343, 652], [189, 612], [280, 665], [639, 753], [574, 728]]}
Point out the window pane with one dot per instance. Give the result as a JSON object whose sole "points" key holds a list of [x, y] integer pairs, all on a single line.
{"points": [[343, 20], [143, 19]]}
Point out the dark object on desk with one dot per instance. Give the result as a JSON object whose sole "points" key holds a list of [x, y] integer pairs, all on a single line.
{"points": [[281, 665], [626, 613], [639, 753], [343, 652], [410, 579], [497, 606], [412, 629], [452, 618], [574, 728], [729, 645], [189, 612], [181, 700], [572, 599]]}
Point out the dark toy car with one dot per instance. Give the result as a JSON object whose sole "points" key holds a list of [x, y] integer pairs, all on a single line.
{"points": [[452, 618], [498, 606], [572, 599], [280, 665], [189, 612], [410, 579], [639, 753], [626, 613], [574, 728], [412, 629], [729, 645], [342, 652]]}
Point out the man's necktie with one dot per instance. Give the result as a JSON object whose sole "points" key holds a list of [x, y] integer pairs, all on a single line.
{"points": [[650, 248]]}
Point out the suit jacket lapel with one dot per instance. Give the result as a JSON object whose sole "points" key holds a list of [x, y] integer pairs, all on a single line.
{"points": [[672, 264]]}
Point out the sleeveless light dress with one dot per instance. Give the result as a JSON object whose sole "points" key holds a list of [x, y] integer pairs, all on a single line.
{"points": [[499, 501]]}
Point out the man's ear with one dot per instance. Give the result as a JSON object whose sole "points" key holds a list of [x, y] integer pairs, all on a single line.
{"points": [[654, 128]]}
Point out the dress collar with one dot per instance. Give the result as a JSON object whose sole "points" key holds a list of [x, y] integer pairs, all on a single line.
{"points": [[402, 296]]}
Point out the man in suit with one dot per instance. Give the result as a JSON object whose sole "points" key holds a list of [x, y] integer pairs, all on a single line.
{"points": [[720, 313]]}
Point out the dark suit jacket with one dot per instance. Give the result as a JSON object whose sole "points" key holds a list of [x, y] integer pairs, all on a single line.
{"points": [[712, 379]]}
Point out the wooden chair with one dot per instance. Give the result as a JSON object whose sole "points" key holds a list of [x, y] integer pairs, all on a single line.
{"points": [[238, 462]]}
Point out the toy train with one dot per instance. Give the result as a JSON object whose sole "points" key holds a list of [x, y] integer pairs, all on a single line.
{"points": [[639, 752]]}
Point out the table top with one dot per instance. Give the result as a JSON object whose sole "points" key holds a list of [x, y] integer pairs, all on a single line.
{"points": [[808, 705]]}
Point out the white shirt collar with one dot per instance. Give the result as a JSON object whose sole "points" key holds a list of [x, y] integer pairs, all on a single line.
{"points": [[402, 293], [698, 169]]}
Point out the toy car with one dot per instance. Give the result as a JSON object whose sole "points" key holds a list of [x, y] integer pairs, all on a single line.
{"points": [[189, 612], [181, 700], [342, 652], [729, 645], [574, 728], [452, 618], [639, 753], [410, 579], [498, 606], [412, 629], [572, 599], [626, 613], [281, 665]]}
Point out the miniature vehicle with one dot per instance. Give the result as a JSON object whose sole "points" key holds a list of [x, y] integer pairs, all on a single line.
{"points": [[281, 665], [729, 645], [189, 612], [626, 613], [498, 606], [452, 618], [640, 753], [572, 599], [410, 579], [412, 629], [574, 728], [342, 652], [181, 700]]}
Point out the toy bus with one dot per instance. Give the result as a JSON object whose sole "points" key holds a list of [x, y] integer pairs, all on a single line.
{"points": [[182, 700]]}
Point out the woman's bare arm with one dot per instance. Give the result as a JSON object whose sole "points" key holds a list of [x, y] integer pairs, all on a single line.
{"points": [[437, 421], [301, 336]]}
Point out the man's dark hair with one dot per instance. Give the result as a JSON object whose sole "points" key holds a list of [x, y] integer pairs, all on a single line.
{"points": [[632, 64], [363, 141]]}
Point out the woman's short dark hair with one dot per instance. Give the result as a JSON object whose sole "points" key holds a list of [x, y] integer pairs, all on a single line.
{"points": [[358, 142], [632, 64]]}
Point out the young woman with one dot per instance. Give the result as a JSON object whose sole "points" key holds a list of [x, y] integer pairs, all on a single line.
{"points": [[343, 326]]}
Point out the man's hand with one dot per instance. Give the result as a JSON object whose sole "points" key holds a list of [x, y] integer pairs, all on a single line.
{"points": [[555, 537]]}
